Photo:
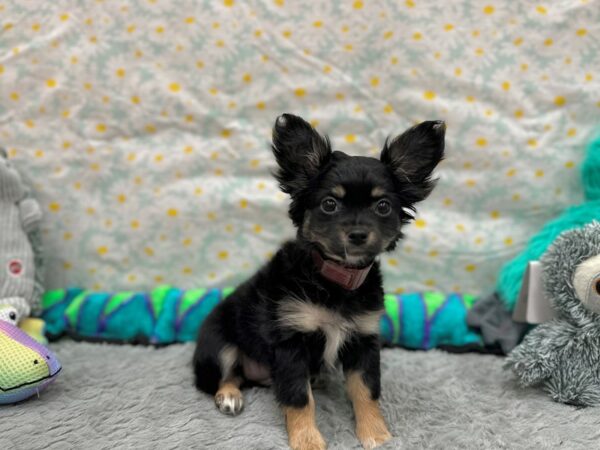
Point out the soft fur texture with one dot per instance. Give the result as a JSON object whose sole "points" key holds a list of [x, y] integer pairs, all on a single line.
{"points": [[563, 355], [288, 321], [135, 397]]}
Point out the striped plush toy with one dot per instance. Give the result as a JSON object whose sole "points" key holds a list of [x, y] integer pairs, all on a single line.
{"points": [[26, 366], [167, 315]]}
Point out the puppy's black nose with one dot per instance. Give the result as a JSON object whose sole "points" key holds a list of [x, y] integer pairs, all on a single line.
{"points": [[357, 237]]}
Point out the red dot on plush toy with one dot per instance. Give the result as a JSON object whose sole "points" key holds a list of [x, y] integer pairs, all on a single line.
{"points": [[15, 267]]}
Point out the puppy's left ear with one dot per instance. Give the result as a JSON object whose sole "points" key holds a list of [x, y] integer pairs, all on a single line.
{"points": [[413, 155], [300, 152]]}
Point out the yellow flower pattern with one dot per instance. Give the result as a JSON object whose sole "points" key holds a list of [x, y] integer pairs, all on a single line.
{"points": [[144, 126]]}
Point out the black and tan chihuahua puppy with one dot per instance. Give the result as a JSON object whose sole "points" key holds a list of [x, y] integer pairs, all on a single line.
{"points": [[318, 301]]}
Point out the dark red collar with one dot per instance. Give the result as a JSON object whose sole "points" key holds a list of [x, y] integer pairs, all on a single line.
{"points": [[346, 277]]}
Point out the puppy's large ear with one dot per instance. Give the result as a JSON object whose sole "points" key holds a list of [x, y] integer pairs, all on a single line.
{"points": [[300, 152], [413, 155]]}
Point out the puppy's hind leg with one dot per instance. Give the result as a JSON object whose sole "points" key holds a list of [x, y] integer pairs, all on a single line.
{"points": [[229, 398], [217, 366]]}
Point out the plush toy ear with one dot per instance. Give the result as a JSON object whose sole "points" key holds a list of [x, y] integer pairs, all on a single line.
{"points": [[413, 155], [300, 152]]}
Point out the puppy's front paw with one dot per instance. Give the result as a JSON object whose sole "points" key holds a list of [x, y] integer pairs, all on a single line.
{"points": [[307, 439], [371, 429], [371, 438], [229, 401], [373, 434]]}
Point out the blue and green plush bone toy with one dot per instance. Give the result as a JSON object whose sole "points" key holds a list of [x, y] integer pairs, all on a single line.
{"points": [[167, 315]]}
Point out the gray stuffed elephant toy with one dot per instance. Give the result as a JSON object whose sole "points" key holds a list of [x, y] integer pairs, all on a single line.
{"points": [[20, 215], [563, 355]]}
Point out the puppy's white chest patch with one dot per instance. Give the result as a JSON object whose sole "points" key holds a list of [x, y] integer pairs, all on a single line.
{"points": [[307, 317]]}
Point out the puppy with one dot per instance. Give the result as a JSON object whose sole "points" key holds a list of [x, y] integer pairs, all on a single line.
{"points": [[318, 301]]}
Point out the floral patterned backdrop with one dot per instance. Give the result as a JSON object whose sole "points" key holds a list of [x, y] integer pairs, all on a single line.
{"points": [[143, 126]]}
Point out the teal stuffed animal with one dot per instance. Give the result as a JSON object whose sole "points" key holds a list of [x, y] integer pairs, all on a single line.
{"points": [[511, 274], [20, 216]]}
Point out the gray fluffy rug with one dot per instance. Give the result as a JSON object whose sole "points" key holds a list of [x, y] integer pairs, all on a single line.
{"points": [[117, 397]]}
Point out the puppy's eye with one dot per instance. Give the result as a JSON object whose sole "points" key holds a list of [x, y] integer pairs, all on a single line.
{"points": [[383, 208], [598, 286], [329, 205]]}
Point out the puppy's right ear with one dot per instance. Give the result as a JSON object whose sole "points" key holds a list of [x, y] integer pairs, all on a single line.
{"points": [[413, 156], [300, 152]]}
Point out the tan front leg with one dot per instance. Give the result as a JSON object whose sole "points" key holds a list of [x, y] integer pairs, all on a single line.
{"points": [[371, 429], [302, 428]]}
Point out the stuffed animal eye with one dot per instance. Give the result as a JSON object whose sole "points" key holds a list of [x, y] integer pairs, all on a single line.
{"points": [[598, 286], [329, 205], [383, 208]]}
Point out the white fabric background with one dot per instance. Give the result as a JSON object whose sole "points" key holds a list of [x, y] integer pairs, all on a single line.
{"points": [[143, 126]]}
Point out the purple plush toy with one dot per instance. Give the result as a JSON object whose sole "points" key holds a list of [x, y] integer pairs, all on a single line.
{"points": [[26, 366]]}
